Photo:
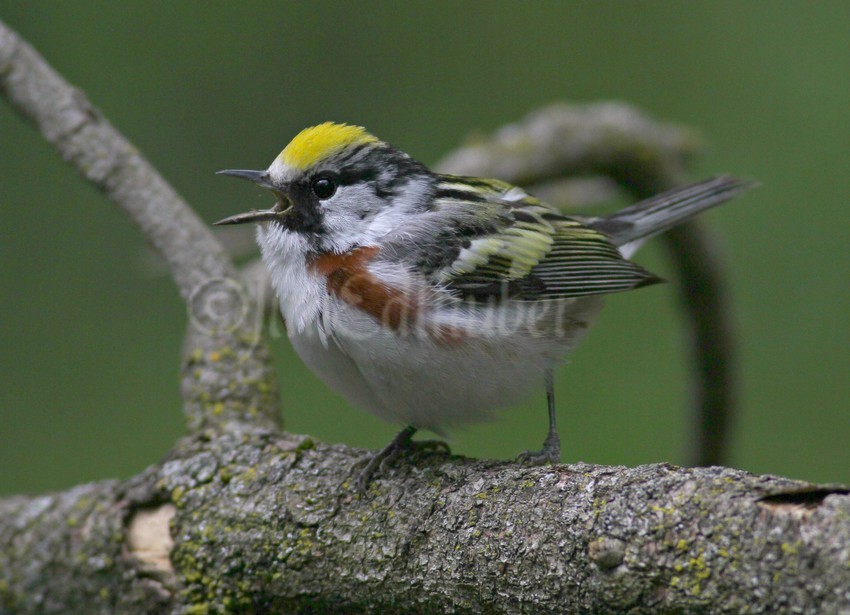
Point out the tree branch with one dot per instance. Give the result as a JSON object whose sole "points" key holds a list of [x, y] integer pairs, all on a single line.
{"points": [[646, 158], [703, 294], [227, 377], [269, 523], [242, 517], [89, 143]]}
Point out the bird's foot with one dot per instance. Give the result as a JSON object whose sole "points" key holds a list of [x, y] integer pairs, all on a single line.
{"points": [[384, 459], [429, 446], [550, 453]]}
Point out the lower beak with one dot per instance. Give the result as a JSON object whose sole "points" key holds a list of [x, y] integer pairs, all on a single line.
{"points": [[261, 178], [261, 215]]}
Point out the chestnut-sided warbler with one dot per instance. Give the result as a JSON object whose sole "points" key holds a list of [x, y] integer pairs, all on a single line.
{"points": [[431, 300]]}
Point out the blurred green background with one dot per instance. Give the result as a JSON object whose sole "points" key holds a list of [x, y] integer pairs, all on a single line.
{"points": [[91, 339]]}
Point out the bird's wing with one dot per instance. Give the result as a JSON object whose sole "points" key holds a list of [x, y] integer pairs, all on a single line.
{"points": [[486, 238]]}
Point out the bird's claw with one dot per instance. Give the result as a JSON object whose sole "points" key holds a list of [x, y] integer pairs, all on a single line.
{"points": [[550, 453], [383, 459]]}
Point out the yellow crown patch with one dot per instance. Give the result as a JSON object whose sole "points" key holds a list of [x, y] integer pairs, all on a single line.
{"points": [[314, 144]]}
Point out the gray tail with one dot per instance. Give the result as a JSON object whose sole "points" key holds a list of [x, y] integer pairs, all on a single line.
{"points": [[664, 211]]}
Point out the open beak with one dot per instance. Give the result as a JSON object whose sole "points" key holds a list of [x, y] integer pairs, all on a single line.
{"points": [[261, 178]]}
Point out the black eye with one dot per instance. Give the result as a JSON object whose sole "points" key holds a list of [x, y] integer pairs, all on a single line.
{"points": [[324, 187]]}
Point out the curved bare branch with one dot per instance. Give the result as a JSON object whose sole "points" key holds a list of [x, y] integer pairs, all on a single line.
{"points": [[224, 347], [645, 157]]}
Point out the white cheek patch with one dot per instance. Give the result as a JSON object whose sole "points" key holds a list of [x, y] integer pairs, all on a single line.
{"points": [[399, 213], [346, 217]]}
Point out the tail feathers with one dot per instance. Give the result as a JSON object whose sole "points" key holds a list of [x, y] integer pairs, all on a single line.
{"points": [[664, 211]]}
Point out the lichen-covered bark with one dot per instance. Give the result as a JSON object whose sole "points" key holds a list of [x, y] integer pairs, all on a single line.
{"points": [[64, 553], [265, 521]]}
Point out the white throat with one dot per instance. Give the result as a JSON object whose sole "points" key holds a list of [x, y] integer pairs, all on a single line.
{"points": [[299, 291]]}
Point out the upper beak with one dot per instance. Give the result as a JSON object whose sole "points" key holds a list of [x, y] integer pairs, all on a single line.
{"points": [[261, 178]]}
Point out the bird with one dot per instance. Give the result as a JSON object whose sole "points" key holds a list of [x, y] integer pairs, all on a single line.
{"points": [[433, 300]]}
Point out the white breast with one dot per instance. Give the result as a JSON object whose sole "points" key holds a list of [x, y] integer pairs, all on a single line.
{"points": [[409, 377], [421, 382]]}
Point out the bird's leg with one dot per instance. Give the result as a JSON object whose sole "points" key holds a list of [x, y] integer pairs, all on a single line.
{"points": [[551, 452], [383, 458]]}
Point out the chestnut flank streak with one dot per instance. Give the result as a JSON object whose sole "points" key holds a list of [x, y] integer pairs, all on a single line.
{"points": [[349, 279]]}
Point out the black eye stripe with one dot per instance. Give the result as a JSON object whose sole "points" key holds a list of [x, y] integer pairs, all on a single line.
{"points": [[356, 174]]}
